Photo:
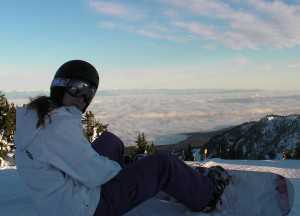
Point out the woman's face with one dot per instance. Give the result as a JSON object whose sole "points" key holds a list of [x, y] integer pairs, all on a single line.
{"points": [[79, 102]]}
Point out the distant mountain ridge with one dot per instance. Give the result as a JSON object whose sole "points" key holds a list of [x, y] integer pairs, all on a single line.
{"points": [[263, 139]]}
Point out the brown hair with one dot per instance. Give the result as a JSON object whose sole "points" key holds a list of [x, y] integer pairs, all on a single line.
{"points": [[43, 105]]}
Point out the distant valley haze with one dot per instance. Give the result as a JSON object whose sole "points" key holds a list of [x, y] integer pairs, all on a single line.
{"points": [[166, 115]]}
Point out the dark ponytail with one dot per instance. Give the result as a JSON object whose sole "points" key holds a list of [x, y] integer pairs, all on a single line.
{"points": [[43, 105]]}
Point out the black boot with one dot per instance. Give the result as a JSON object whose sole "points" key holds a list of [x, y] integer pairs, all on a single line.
{"points": [[220, 178]]}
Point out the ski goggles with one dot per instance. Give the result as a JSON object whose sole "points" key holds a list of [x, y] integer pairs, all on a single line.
{"points": [[76, 88]]}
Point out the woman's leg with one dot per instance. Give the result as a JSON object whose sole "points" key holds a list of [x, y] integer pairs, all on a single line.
{"points": [[146, 177], [111, 146]]}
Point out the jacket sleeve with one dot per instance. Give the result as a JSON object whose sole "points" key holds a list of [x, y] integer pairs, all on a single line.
{"points": [[68, 150]]}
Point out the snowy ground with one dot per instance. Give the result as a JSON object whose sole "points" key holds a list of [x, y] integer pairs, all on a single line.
{"points": [[14, 199]]}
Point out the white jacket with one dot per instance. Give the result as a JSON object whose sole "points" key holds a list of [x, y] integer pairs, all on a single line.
{"points": [[58, 164]]}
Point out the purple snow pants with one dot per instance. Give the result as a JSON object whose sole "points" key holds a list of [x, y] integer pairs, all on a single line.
{"points": [[144, 178]]}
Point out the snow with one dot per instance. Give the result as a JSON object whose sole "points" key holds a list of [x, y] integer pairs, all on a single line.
{"points": [[15, 201]]}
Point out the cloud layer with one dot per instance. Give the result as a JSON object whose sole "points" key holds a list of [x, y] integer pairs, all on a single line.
{"points": [[159, 113], [251, 24]]}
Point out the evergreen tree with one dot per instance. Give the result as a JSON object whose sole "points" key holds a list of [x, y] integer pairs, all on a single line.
{"points": [[3, 149], [10, 123], [7, 125], [3, 110], [141, 143], [287, 154], [188, 153], [272, 155], [89, 123], [130, 153], [151, 149], [296, 152], [91, 126], [100, 127]]}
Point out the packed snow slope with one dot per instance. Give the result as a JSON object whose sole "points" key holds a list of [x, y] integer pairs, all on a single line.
{"points": [[15, 199]]}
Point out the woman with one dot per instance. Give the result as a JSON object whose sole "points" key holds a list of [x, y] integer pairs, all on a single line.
{"points": [[68, 176]]}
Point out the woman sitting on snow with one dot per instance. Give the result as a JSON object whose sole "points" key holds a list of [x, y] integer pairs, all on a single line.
{"points": [[68, 176]]}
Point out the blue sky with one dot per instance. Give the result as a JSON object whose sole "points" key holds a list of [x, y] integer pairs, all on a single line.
{"points": [[173, 44]]}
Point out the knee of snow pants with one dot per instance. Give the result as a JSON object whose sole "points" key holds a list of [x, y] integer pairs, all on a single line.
{"points": [[111, 146]]}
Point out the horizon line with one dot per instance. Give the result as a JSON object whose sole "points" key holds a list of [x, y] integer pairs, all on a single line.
{"points": [[159, 89]]}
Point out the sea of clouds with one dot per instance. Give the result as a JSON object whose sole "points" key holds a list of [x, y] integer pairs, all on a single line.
{"points": [[166, 115]]}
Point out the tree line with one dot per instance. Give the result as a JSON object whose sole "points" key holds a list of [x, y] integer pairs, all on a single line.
{"points": [[7, 126]]}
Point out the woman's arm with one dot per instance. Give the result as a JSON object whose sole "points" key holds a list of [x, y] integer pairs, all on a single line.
{"points": [[67, 149]]}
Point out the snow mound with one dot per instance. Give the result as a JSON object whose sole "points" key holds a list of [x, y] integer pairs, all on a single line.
{"points": [[14, 198]]}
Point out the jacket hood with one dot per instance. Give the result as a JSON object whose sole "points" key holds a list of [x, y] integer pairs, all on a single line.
{"points": [[26, 130]]}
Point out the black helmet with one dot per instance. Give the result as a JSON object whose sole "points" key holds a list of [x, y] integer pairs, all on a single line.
{"points": [[74, 70]]}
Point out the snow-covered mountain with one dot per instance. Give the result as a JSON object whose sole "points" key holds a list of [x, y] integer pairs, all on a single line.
{"points": [[263, 139]]}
